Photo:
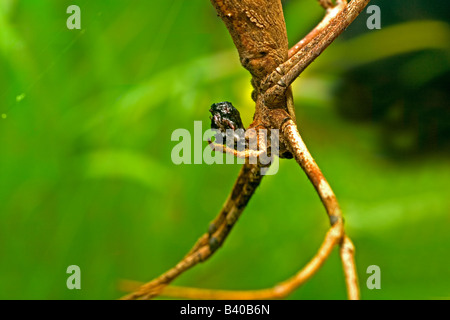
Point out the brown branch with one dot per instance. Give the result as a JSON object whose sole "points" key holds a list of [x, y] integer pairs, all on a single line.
{"points": [[258, 31]]}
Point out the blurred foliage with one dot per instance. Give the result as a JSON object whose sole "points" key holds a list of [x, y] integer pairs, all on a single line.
{"points": [[86, 176]]}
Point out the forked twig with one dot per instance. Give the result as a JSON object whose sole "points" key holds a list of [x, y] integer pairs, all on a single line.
{"points": [[258, 31]]}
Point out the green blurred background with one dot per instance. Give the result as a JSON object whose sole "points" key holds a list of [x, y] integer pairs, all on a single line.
{"points": [[86, 176]]}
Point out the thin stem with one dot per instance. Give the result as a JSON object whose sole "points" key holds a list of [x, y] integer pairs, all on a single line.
{"points": [[332, 12], [276, 83], [326, 194], [343, 17], [279, 291], [248, 180], [347, 253], [312, 170]]}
